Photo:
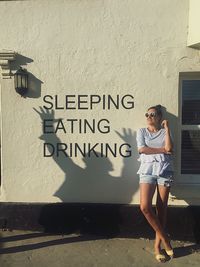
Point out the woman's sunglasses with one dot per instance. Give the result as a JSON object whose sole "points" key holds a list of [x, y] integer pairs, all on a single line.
{"points": [[152, 114]]}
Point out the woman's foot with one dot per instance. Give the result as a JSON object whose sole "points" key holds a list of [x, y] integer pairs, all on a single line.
{"points": [[159, 256], [168, 248], [170, 253]]}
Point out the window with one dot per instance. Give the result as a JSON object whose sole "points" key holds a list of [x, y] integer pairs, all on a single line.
{"points": [[190, 124]]}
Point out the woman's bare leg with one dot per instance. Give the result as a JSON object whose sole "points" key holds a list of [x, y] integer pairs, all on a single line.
{"points": [[146, 195], [161, 209]]}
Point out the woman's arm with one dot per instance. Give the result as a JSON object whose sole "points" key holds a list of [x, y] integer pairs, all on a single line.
{"points": [[168, 140], [143, 148], [152, 150]]}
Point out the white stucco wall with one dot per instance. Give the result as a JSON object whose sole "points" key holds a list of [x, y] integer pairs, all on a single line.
{"points": [[194, 23], [88, 47]]}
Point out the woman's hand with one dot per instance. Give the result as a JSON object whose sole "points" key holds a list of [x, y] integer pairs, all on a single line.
{"points": [[165, 124], [167, 152]]}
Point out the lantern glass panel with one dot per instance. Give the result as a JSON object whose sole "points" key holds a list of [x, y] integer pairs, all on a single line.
{"points": [[18, 81], [23, 81], [15, 79]]}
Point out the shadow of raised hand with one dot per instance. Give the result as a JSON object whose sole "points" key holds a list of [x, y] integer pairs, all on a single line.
{"points": [[52, 141], [45, 114], [128, 135]]}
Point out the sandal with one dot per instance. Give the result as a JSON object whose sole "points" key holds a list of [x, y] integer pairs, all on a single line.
{"points": [[160, 258], [170, 253]]}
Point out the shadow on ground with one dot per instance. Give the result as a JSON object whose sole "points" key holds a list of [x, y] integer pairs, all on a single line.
{"points": [[181, 251]]}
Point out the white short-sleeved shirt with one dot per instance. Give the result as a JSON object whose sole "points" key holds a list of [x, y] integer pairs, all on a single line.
{"points": [[154, 164]]}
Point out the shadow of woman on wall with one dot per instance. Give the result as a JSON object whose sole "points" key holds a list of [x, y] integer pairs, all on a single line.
{"points": [[93, 183]]}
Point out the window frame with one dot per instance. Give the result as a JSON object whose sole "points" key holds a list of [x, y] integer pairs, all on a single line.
{"points": [[186, 178]]}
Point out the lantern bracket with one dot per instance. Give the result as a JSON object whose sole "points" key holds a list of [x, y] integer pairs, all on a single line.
{"points": [[6, 56]]}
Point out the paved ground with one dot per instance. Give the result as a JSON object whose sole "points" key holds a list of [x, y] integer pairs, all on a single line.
{"points": [[33, 249]]}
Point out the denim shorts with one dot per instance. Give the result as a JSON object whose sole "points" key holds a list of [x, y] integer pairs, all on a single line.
{"points": [[154, 179]]}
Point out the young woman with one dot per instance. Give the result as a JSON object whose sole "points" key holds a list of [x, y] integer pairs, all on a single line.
{"points": [[155, 148]]}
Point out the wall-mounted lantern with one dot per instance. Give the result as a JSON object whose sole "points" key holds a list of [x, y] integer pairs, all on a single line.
{"points": [[21, 81]]}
